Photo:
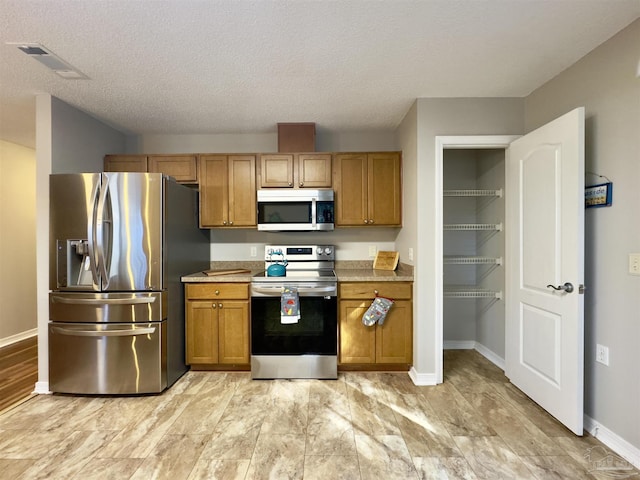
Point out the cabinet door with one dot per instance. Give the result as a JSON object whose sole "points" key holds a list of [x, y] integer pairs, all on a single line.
{"points": [[242, 190], [394, 338], [234, 332], [183, 168], [384, 189], [214, 191], [202, 332], [314, 170], [276, 170], [125, 163], [357, 342], [350, 185]]}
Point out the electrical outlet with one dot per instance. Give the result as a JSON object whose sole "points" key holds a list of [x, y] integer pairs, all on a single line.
{"points": [[411, 254], [372, 251], [634, 263], [602, 354], [254, 252]]}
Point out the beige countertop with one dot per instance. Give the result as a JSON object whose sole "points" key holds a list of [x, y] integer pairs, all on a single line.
{"points": [[201, 277], [346, 271], [371, 275]]}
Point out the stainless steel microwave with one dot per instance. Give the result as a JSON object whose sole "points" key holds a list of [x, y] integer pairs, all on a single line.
{"points": [[295, 210]]}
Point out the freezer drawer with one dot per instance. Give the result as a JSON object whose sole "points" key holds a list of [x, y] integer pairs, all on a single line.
{"points": [[139, 307], [107, 358]]}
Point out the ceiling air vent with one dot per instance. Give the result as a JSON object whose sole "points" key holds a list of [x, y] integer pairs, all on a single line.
{"points": [[51, 61]]}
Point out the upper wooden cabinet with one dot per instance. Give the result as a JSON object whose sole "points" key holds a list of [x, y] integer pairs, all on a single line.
{"points": [[368, 189], [184, 168], [125, 163], [299, 170], [227, 191]]}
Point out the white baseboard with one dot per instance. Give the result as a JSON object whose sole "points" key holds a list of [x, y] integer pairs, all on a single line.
{"points": [[42, 388], [422, 379], [18, 337], [490, 355], [459, 345], [497, 360], [617, 444]]}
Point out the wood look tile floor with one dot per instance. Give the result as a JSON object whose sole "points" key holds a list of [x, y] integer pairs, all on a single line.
{"points": [[379, 426]]}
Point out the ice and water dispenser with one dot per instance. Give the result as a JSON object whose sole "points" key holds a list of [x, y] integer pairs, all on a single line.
{"points": [[73, 264]]}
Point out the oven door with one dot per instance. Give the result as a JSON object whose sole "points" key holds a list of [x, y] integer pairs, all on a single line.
{"points": [[316, 333]]}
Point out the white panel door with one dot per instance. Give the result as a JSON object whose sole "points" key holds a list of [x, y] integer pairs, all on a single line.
{"points": [[545, 249]]}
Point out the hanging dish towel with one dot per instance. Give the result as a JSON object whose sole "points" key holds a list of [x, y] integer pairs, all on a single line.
{"points": [[289, 305], [377, 311]]}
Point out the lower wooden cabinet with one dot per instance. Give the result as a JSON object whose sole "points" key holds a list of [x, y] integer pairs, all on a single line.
{"points": [[389, 343], [217, 323]]}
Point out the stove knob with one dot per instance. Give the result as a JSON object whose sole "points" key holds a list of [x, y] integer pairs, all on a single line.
{"points": [[319, 250], [327, 250]]}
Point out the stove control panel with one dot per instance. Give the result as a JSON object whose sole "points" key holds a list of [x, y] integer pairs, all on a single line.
{"points": [[300, 253]]}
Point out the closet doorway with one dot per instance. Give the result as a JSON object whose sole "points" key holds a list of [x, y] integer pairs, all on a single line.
{"points": [[515, 254]]}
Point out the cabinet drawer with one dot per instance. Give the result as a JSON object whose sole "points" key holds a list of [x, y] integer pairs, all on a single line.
{"points": [[218, 290], [357, 290]]}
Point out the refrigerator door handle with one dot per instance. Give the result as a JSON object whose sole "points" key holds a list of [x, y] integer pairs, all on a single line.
{"points": [[102, 301], [99, 230], [107, 333], [91, 236]]}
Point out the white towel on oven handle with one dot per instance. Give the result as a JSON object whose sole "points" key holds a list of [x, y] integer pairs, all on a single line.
{"points": [[289, 306]]}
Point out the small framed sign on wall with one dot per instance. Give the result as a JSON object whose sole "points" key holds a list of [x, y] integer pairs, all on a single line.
{"points": [[598, 195]]}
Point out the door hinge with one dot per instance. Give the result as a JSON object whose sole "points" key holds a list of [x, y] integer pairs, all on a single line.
{"points": [[581, 289]]}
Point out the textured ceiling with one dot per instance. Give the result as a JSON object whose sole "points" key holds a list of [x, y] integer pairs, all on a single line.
{"points": [[196, 66]]}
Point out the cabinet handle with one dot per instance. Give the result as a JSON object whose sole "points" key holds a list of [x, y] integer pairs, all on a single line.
{"points": [[217, 292], [302, 184], [230, 222], [370, 220], [376, 292], [290, 184], [366, 221], [224, 222], [219, 305], [213, 305]]}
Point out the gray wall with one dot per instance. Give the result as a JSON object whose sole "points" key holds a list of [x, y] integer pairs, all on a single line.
{"points": [[605, 82], [79, 142]]}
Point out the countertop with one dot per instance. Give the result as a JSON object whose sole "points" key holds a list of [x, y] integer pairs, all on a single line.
{"points": [[346, 271]]}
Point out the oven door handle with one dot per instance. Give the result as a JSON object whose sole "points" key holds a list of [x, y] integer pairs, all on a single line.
{"points": [[276, 290]]}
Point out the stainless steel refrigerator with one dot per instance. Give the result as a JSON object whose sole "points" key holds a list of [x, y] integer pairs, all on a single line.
{"points": [[119, 243]]}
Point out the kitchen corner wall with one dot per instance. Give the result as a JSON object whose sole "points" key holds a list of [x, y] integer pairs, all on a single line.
{"points": [[17, 242]]}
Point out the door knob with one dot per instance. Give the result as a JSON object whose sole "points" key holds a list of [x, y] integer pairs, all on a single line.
{"points": [[567, 287]]}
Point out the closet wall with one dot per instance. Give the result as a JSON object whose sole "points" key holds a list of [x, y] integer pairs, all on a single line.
{"points": [[473, 243]]}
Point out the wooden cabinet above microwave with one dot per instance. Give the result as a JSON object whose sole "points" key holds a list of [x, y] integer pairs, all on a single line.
{"points": [[295, 170]]}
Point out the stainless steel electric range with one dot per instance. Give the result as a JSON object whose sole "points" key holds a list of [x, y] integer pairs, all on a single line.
{"points": [[308, 346]]}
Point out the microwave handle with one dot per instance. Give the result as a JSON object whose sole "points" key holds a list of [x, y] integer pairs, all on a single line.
{"points": [[314, 211]]}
